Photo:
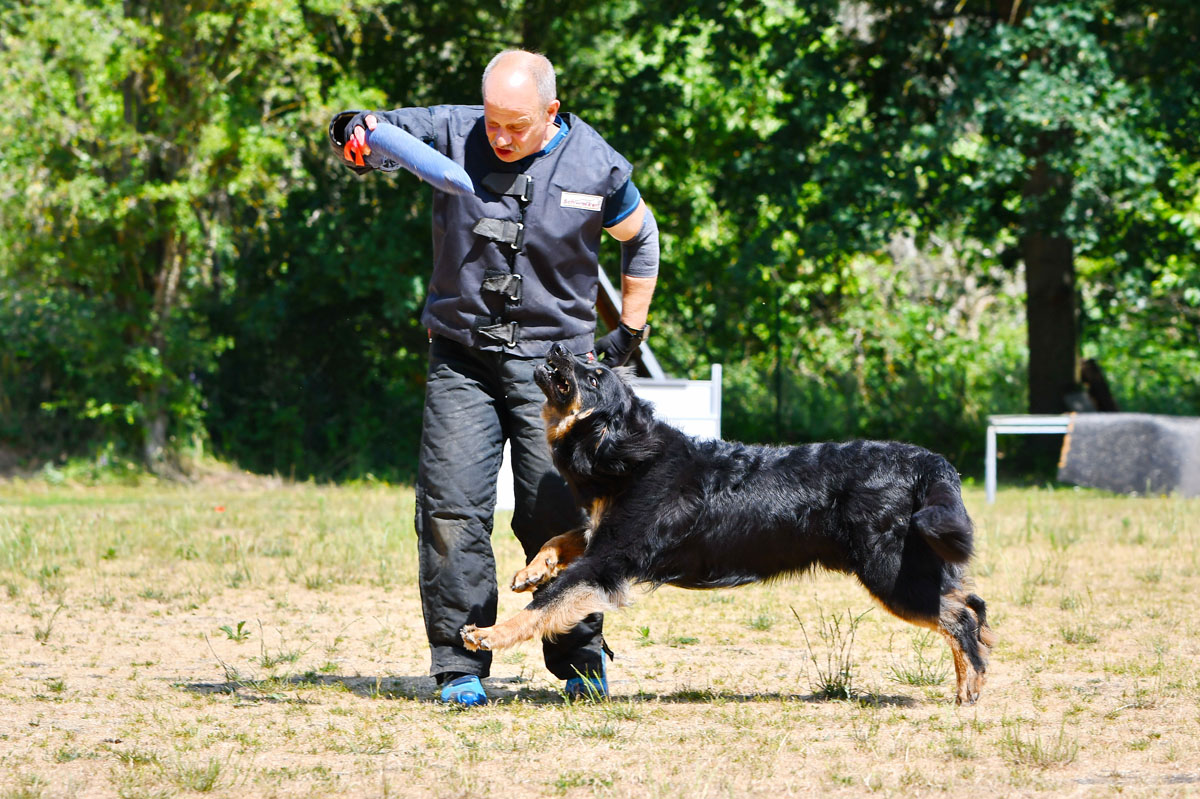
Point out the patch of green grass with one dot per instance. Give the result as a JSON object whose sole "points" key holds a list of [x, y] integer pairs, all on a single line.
{"points": [[284, 654], [1031, 749], [29, 786], [923, 669], [238, 634], [136, 757], [366, 741], [581, 779], [1151, 576], [41, 632], [1070, 602], [50, 579], [958, 746], [199, 777], [602, 728], [762, 622], [1078, 634]]}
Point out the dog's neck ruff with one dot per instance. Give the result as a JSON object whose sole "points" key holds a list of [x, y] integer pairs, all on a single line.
{"points": [[562, 426]]}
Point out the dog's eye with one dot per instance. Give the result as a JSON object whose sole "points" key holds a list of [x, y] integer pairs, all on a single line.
{"points": [[595, 383]]}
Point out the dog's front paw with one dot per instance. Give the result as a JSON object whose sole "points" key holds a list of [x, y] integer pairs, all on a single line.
{"points": [[540, 571], [475, 638]]}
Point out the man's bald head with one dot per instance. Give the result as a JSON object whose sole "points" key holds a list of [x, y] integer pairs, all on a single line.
{"points": [[513, 68], [519, 104]]}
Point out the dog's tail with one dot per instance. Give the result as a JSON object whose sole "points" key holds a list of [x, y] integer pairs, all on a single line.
{"points": [[943, 521]]}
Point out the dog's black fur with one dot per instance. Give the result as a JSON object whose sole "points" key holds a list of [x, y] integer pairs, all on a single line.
{"points": [[669, 509]]}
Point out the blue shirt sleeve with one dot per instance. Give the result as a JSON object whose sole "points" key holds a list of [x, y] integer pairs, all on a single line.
{"points": [[621, 203]]}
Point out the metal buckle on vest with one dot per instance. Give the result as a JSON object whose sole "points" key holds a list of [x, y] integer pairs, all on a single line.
{"points": [[510, 185], [504, 332], [511, 233], [505, 284]]}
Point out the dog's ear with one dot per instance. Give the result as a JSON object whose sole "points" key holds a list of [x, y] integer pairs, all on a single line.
{"points": [[626, 373]]}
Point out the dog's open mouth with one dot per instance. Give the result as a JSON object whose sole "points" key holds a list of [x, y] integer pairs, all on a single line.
{"points": [[560, 383], [555, 376]]}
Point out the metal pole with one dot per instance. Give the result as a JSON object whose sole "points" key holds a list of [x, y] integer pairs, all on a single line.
{"points": [[989, 467]]}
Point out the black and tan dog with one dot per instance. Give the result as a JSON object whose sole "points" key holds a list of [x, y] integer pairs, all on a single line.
{"points": [[669, 509]]}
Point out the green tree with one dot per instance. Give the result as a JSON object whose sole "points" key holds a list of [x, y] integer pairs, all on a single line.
{"points": [[845, 192], [778, 195], [1031, 128], [143, 142]]}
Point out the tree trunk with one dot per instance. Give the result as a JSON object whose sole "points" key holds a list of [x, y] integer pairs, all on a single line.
{"points": [[1050, 321], [154, 447], [154, 396]]}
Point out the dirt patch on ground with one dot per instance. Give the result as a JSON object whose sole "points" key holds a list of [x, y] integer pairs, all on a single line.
{"points": [[257, 640]]}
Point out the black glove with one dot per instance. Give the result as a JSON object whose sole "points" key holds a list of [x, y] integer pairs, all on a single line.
{"points": [[616, 347], [340, 128]]}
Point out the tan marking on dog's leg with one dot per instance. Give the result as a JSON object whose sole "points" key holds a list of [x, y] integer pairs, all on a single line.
{"points": [[554, 556], [966, 678], [969, 680], [547, 622]]}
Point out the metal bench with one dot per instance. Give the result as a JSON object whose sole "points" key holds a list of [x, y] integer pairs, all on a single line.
{"points": [[1017, 424]]}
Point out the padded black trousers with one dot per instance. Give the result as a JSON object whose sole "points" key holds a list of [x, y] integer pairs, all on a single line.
{"points": [[474, 402]]}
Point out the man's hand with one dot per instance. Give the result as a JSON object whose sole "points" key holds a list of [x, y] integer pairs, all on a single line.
{"points": [[616, 348], [356, 144], [360, 134], [351, 145]]}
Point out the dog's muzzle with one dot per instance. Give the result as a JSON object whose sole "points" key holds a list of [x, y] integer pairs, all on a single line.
{"points": [[555, 377]]}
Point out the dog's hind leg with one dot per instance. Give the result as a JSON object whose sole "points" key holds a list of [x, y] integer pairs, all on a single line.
{"points": [[963, 621], [960, 617]]}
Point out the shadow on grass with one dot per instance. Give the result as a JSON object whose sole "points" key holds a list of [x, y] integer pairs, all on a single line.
{"points": [[501, 690], [271, 689], [702, 697]]}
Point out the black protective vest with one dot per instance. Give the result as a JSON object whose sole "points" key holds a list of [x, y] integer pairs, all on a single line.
{"points": [[525, 276]]}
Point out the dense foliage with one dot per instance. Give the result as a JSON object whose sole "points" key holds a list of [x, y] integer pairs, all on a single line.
{"points": [[885, 219]]}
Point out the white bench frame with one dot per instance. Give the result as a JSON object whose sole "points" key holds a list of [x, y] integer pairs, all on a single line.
{"points": [[1017, 424]]}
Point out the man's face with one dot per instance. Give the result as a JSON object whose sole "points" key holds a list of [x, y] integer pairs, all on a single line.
{"points": [[517, 123]]}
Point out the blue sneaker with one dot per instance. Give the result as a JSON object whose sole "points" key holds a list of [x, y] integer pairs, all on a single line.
{"points": [[594, 687], [465, 691]]}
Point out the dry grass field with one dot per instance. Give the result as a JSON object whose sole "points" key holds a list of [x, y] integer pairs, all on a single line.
{"points": [[258, 640]]}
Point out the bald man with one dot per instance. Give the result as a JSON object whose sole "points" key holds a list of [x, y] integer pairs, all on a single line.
{"points": [[515, 271]]}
